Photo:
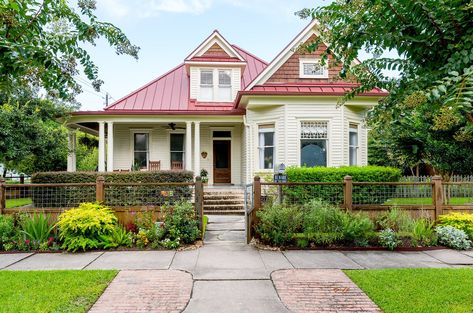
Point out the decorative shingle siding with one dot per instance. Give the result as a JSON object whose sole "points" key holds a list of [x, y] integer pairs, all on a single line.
{"points": [[215, 50], [289, 71]]}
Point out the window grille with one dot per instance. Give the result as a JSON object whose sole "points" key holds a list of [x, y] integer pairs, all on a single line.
{"points": [[314, 130]]}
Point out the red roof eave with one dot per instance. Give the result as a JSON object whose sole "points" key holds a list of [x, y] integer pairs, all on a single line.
{"points": [[160, 112]]}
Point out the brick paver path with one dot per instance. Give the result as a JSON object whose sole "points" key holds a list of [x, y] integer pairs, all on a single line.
{"points": [[315, 290], [146, 291]]}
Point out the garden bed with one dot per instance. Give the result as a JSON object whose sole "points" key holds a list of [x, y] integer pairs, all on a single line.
{"points": [[317, 225]]}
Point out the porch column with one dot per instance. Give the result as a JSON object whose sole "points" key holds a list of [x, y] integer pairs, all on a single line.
{"points": [[197, 149], [110, 147], [101, 146], [189, 146], [71, 151]]}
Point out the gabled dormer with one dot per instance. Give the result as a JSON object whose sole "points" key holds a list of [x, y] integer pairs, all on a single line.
{"points": [[215, 69]]}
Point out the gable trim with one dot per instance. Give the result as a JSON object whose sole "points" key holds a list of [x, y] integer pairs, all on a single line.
{"points": [[217, 38], [284, 55]]}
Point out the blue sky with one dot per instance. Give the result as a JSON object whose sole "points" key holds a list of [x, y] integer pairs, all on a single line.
{"points": [[168, 30]]}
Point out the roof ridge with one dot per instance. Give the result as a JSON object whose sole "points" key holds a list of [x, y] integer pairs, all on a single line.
{"points": [[145, 86], [250, 54]]}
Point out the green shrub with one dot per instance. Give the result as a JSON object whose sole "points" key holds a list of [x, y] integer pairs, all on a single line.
{"points": [[334, 193], [119, 237], [396, 219], [388, 239], [37, 228], [8, 233], [423, 233], [358, 229], [114, 195], [463, 221], [452, 237], [278, 224], [180, 223], [84, 227], [323, 223]]}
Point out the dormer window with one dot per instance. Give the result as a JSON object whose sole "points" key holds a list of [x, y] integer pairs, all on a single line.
{"points": [[225, 85], [215, 85], [312, 68], [206, 85]]}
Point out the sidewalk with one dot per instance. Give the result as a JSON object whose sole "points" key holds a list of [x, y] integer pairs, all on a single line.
{"points": [[227, 275]]}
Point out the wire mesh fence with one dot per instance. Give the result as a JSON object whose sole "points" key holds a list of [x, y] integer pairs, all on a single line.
{"points": [[392, 194], [48, 196], [458, 193], [147, 194], [300, 193]]}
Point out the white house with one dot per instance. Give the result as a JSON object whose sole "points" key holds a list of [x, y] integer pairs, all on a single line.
{"points": [[231, 113]]}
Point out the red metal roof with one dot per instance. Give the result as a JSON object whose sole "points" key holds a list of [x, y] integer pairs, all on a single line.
{"points": [[169, 93], [310, 89]]}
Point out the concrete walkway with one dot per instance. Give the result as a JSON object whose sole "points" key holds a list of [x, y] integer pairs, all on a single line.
{"points": [[228, 275]]}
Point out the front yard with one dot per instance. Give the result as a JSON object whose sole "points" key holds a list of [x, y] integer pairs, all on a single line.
{"points": [[52, 291], [14, 203], [418, 290]]}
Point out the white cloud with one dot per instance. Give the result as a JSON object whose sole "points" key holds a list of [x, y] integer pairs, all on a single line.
{"points": [[115, 8]]}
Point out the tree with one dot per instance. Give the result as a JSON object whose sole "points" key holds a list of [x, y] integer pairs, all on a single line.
{"points": [[41, 45], [31, 139], [430, 101]]}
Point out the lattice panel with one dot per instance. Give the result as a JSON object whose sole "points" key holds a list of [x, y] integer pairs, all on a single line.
{"points": [[314, 130]]}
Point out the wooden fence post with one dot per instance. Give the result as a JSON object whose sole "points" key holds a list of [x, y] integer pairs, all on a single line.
{"points": [[22, 178], [256, 205], [199, 202], [3, 195], [348, 192], [437, 195], [99, 189]]}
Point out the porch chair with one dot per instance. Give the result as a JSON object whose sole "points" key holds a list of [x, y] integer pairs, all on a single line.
{"points": [[154, 165], [176, 165]]}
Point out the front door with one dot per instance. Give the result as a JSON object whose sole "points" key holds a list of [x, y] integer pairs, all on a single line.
{"points": [[222, 162]]}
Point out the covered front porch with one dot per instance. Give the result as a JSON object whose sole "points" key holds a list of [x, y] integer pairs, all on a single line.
{"points": [[211, 144]]}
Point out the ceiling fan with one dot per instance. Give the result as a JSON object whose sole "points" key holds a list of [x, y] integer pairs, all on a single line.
{"points": [[173, 126]]}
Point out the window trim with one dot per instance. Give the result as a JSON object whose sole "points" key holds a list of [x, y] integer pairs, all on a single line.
{"points": [[178, 132], [216, 84], [132, 144], [303, 61], [270, 129], [357, 125], [328, 140]]}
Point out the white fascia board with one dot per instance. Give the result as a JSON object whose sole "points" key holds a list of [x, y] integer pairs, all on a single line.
{"points": [[222, 42]]}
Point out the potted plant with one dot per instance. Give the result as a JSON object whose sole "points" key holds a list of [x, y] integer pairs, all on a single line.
{"points": [[203, 176]]}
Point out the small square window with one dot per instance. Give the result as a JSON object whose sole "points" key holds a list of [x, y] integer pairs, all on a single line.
{"points": [[312, 69]]}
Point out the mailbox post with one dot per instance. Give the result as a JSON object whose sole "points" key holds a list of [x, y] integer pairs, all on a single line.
{"points": [[280, 177]]}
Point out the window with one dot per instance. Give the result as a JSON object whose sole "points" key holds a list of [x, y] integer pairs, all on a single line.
{"points": [[353, 144], [314, 137], [177, 150], [266, 146], [140, 150], [222, 134], [312, 68], [224, 85], [206, 85]]}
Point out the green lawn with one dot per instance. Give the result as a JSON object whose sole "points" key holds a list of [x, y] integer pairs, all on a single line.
{"points": [[426, 201], [13, 203], [418, 290], [51, 291]]}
